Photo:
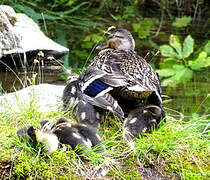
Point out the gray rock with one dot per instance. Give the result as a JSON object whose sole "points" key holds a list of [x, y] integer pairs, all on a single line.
{"points": [[43, 97], [20, 34]]}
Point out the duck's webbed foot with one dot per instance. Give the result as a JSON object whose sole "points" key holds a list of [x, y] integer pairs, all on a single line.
{"points": [[141, 120]]}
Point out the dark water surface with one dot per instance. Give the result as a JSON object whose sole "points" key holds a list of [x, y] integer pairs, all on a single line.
{"points": [[187, 99]]}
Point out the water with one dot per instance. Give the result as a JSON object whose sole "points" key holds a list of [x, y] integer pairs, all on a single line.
{"points": [[11, 81], [187, 99]]}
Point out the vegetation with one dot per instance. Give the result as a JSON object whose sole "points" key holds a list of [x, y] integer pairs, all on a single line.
{"points": [[182, 60], [177, 149]]}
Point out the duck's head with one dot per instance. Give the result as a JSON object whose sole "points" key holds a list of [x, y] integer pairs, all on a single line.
{"points": [[119, 39]]}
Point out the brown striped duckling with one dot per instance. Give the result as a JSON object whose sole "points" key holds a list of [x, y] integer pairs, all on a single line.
{"points": [[36, 135], [141, 120], [85, 112], [73, 135]]}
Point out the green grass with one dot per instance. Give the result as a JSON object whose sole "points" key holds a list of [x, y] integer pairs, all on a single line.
{"points": [[177, 149]]}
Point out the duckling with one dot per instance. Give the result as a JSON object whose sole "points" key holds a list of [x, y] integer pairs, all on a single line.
{"points": [[73, 135], [141, 120], [117, 72], [88, 114], [84, 111], [24, 136], [35, 135], [70, 94]]}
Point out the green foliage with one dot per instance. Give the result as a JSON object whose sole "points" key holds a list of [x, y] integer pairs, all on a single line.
{"points": [[177, 146], [143, 28], [207, 47], [181, 61], [182, 22]]}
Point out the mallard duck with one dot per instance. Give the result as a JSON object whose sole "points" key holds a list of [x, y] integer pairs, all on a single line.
{"points": [[73, 135], [117, 75], [141, 120]]}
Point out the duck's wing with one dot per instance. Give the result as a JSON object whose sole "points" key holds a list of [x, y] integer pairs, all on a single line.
{"points": [[126, 68], [96, 92], [107, 102], [116, 68]]}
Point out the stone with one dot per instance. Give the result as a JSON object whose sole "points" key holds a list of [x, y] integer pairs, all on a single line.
{"points": [[20, 34], [42, 97]]}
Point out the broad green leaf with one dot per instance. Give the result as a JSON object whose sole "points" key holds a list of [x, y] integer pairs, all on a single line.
{"points": [[143, 28], [129, 11], [175, 43], [182, 22], [202, 61], [178, 67], [181, 76], [207, 47], [168, 51], [143, 33], [165, 72], [168, 82], [136, 27], [168, 63], [188, 46]]}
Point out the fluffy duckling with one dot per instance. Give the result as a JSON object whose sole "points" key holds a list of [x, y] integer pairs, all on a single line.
{"points": [[141, 120], [88, 114], [36, 135], [70, 94], [76, 134], [119, 73], [84, 111]]}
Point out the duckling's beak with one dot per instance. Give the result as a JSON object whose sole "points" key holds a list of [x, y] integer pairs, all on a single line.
{"points": [[102, 46], [37, 133]]}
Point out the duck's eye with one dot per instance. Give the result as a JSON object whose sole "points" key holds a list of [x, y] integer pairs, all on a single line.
{"points": [[120, 37]]}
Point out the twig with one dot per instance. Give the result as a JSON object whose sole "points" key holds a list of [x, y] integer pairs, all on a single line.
{"points": [[161, 19]]}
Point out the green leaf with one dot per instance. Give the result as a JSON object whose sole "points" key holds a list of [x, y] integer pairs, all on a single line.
{"points": [[168, 82], [175, 43], [202, 61], [182, 22], [207, 47], [181, 75], [143, 28], [165, 72], [167, 63], [136, 27], [188, 46], [168, 51]]}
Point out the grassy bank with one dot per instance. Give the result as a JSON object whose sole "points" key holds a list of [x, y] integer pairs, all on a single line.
{"points": [[177, 150]]}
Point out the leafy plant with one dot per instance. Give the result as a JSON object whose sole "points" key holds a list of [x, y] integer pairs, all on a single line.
{"points": [[181, 60], [182, 22], [143, 28]]}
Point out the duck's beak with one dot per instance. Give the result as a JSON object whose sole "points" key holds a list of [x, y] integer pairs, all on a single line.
{"points": [[102, 46], [105, 45]]}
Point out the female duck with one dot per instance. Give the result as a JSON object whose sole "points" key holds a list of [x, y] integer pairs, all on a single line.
{"points": [[118, 77]]}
